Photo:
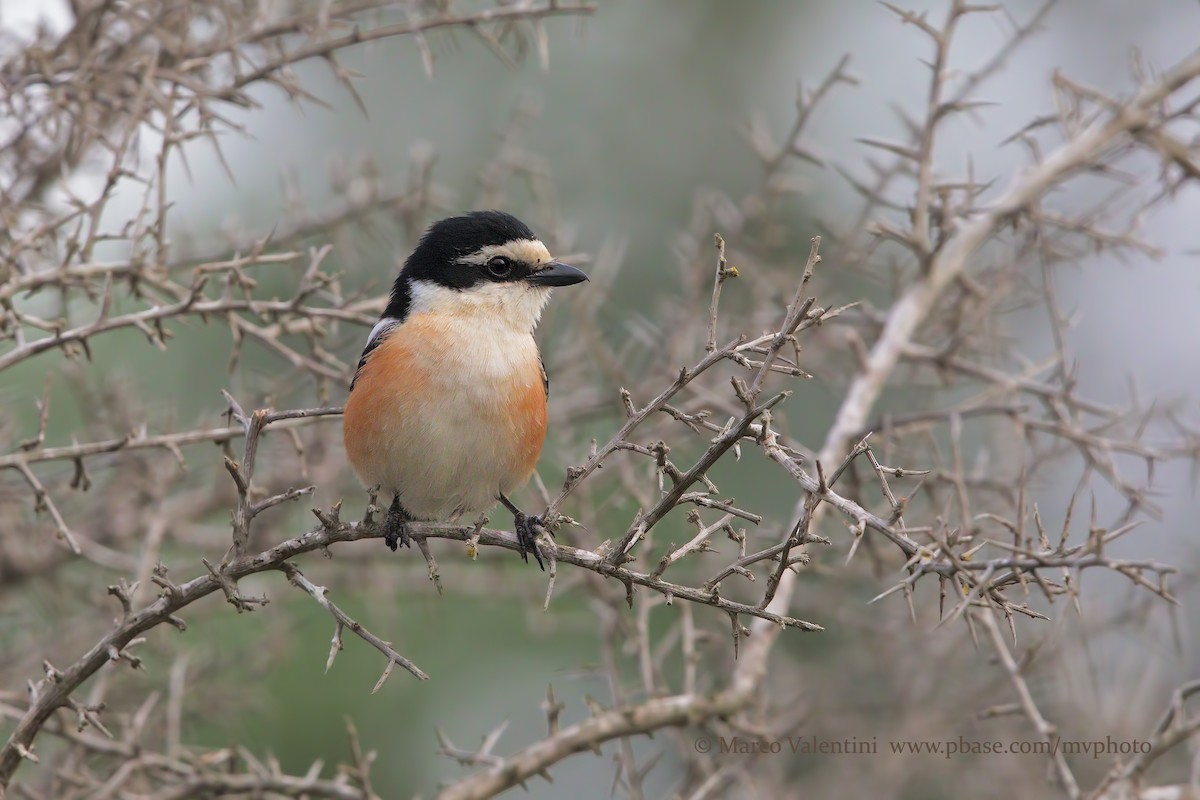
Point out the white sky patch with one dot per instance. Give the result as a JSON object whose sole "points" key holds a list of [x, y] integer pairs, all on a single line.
{"points": [[22, 18]]}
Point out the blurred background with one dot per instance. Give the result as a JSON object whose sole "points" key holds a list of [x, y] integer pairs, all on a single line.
{"points": [[635, 113]]}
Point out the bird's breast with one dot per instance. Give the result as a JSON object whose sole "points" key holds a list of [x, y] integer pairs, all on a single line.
{"points": [[447, 412]]}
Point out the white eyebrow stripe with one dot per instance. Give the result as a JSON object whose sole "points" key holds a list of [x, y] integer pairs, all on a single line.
{"points": [[528, 251], [380, 327]]}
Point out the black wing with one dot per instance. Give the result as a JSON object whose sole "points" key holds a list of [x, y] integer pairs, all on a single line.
{"points": [[545, 377]]}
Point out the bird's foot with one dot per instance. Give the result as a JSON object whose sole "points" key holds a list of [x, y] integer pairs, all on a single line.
{"points": [[527, 527], [395, 526]]}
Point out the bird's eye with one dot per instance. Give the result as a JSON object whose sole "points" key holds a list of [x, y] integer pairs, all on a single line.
{"points": [[499, 267]]}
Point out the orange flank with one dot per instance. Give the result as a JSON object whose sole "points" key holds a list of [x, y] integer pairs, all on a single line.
{"points": [[529, 417]]}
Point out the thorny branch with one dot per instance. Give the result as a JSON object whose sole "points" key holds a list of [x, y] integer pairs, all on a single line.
{"points": [[899, 481]]}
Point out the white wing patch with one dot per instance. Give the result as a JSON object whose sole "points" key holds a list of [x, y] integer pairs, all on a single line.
{"points": [[373, 339], [379, 328]]}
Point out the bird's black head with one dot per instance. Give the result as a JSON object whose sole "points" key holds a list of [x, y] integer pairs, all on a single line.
{"points": [[474, 254]]}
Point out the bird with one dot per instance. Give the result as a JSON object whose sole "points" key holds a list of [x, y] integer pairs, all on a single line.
{"points": [[447, 408]]}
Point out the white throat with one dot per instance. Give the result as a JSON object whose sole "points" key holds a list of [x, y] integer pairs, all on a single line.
{"points": [[515, 305]]}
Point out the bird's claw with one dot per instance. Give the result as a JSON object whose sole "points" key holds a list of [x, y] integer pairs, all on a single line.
{"points": [[527, 527], [397, 537], [395, 527]]}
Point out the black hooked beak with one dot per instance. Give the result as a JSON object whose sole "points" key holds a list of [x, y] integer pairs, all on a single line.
{"points": [[556, 273]]}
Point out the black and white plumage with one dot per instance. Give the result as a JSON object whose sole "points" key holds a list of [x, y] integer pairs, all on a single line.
{"points": [[447, 411]]}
